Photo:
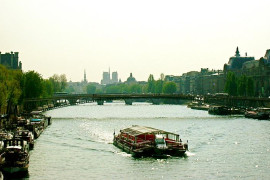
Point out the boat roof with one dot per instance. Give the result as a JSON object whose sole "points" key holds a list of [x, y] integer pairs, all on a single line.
{"points": [[35, 120], [136, 130], [14, 147], [36, 112]]}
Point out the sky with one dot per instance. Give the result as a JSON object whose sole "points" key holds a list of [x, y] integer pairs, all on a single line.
{"points": [[141, 37]]}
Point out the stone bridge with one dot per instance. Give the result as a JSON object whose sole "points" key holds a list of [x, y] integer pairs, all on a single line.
{"points": [[72, 99]]}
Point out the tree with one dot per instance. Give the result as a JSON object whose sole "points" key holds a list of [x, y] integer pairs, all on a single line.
{"points": [[151, 84], [159, 86], [55, 79], [70, 89], [3, 87], [32, 84], [3, 95], [47, 88], [231, 84], [90, 89], [250, 87], [14, 86], [242, 85], [169, 87], [63, 82], [59, 82], [10, 89], [113, 89], [135, 88], [99, 91]]}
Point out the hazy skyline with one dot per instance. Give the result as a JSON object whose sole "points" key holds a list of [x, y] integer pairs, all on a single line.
{"points": [[142, 37]]}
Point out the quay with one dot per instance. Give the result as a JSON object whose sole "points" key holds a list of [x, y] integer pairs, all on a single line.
{"points": [[17, 137]]}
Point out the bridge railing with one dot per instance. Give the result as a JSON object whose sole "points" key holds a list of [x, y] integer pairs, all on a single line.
{"points": [[112, 96]]}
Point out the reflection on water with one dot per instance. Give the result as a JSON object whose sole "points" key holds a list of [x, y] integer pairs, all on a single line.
{"points": [[78, 144]]}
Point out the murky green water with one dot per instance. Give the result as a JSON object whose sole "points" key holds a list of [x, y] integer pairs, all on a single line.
{"points": [[78, 145]]}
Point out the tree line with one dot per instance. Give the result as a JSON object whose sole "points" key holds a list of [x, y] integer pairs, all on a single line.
{"points": [[152, 86], [16, 85], [239, 86]]}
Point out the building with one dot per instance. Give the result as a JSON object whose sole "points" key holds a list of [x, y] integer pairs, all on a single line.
{"points": [[106, 78], [202, 82], [131, 79], [259, 71], [236, 62], [213, 81], [11, 60], [84, 77], [114, 77], [267, 55]]}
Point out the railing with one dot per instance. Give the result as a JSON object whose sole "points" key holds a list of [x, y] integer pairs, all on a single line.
{"points": [[113, 96]]}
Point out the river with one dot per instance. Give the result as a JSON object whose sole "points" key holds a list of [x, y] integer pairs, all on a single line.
{"points": [[78, 144]]}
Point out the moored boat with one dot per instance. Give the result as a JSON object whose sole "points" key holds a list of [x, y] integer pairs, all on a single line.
{"points": [[16, 156], [26, 135], [260, 113], [203, 107], [219, 110], [36, 126], [146, 141]]}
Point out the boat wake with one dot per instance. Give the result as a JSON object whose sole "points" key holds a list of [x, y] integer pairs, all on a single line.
{"points": [[123, 154], [188, 153]]}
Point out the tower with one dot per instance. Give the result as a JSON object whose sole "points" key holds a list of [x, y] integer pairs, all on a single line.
{"points": [[84, 78], [237, 54], [114, 77]]}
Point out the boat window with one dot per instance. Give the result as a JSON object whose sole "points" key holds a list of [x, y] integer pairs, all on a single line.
{"points": [[171, 136], [160, 141]]}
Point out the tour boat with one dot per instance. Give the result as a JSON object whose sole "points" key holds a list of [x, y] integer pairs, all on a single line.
{"points": [[16, 156], [147, 141]]}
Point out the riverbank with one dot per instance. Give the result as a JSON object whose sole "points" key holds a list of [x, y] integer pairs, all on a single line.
{"points": [[17, 137], [261, 113]]}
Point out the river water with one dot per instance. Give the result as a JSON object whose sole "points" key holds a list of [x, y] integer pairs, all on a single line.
{"points": [[78, 144]]}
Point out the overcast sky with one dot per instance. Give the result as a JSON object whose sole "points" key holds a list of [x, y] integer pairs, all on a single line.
{"points": [[143, 36]]}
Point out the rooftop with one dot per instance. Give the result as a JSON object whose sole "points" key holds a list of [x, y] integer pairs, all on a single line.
{"points": [[136, 130]]}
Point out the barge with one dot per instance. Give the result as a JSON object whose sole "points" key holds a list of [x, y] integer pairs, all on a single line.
{"points": [[16, 156], [147, 141], [260, 113]]}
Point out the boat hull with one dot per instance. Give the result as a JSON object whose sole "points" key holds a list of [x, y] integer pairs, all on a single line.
{"points": [[150, 151], [133, 152], [255, 115], [14, 169]]}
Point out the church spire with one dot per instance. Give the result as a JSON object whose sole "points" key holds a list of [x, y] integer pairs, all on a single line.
{"points": [[84, 79], [237, 54]]}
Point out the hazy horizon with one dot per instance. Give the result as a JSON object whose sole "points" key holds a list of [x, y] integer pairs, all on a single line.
{"points": [[140, 37]]}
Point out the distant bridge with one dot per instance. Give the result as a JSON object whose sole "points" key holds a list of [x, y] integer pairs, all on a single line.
{"points": [[59, 100], [74, 98]]}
